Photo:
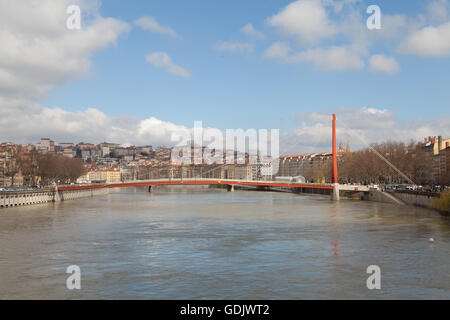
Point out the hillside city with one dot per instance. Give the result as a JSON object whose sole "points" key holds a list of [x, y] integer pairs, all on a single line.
{"points": [[46, 162], [110, 162]]}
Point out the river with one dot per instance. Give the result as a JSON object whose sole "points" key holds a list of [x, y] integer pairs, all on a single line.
{"points": [[212, 244]]}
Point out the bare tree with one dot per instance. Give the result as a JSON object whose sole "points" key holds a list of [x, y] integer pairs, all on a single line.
{"points": [[59, 169], [365, 166]]}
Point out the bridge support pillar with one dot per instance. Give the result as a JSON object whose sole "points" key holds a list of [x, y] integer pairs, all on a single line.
{"points": [[335, 192], [230, 188], [56, 196]]}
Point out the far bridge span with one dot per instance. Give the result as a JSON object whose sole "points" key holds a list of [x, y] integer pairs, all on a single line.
{"points": [[229, 183]]}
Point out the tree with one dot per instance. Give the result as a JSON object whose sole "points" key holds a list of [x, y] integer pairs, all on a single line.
{"points": [[366, 166], [28, 163], [12, 166], [59, 169]]}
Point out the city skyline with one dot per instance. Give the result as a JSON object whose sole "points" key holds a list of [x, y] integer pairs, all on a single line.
{"points": [[135, 74]]}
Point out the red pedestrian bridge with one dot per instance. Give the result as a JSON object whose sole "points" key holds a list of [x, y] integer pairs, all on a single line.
{"points": [[194, 181], [230, 184], [326, 188]]}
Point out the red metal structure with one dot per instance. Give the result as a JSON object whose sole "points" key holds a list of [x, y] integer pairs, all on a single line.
{"points": [[199, 182], [335, 172]]}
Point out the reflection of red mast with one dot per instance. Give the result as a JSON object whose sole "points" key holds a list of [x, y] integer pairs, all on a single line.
{"points": [[335, 173], [335, 218], [336, 248]]}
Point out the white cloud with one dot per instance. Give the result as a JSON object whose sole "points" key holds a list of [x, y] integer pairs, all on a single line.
{"points": [[395, 26], [360, 125], [306, 20], [38, 52], [163, 61], [419, 129], [250, 31], [339, 5], [331, 58], [150, 23], [355, 118], [379, 63], [22, 121], [438, 11], [334, 35], [357, 124], [234, 47], [278, 51], [429, 41]]}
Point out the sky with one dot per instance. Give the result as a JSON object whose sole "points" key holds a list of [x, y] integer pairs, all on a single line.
{"points": [[137, 71]]}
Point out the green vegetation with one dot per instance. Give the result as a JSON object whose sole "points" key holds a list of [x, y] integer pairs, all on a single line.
{"points": [[442, 203]]}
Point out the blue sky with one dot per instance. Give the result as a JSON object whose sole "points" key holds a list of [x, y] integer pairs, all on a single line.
{"points": [[228, 89], [249, 88]]}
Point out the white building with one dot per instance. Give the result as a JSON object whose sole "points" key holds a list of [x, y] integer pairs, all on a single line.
{"points": [[243, 172], [46, 145]]}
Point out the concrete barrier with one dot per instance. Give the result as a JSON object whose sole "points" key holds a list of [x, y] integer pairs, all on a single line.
{"points": [[12, 199], [23, 198], [83, 193]]}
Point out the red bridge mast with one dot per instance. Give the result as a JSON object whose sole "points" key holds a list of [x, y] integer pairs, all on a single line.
{"points": [[335, 192], [335, 172]]}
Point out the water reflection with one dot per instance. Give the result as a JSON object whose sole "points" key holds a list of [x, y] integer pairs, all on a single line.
{"points": [[335, 218], [195, 244]]}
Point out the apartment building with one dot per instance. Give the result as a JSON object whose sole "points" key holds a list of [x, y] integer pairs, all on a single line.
{"points": [[46, 145], [435, 158], [104, 176]]}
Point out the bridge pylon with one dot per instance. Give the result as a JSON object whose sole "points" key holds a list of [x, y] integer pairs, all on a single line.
{"points": [[56, 196]]}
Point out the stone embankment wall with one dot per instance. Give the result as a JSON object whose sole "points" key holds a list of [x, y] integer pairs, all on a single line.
{"points": [[379, 196], [12, 199], [415, 198], [412, 198]]}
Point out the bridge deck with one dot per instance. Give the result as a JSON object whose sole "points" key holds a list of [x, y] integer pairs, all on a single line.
{"points": [[225, 182], [169, 182], [157, 182]]}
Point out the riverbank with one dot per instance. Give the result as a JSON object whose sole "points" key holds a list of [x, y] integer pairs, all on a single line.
{"points": [[21, 198], [433, 201], [442, 204], [24, 198]]}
